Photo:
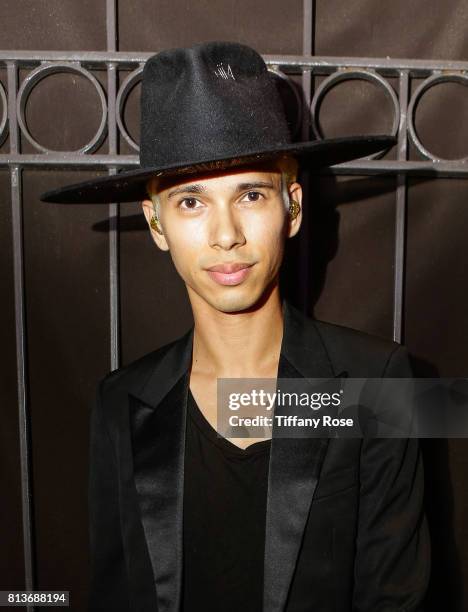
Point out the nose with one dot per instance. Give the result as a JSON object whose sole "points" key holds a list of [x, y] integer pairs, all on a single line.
{"points": [[225, 228]]}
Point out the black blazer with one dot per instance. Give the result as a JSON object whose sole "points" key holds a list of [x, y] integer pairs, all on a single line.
{"points": [[345, 527]]}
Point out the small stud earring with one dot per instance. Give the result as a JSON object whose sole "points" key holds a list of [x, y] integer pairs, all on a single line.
{"points": [[294, 209], [154, 222]]}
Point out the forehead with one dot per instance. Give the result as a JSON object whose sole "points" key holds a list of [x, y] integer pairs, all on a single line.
{"points": [[222, 178]]}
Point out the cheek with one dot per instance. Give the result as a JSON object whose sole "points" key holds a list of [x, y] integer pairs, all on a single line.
{"points": [[267, 235], [185, 241]]}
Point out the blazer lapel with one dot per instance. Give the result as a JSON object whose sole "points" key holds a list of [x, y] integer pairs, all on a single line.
{"points": [[157, 423], [295, 463]]}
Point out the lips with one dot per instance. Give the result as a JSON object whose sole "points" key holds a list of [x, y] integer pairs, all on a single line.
{"points": [[229, 268], [229, 274]]}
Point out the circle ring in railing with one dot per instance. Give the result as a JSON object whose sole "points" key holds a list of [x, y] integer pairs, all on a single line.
{"points": [[3, 122], [129, 83], [276, 71], [345, 75], [435, 79], [44, 71]]}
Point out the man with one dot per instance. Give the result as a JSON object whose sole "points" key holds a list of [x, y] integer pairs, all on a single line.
{"points": [[180, 517]]}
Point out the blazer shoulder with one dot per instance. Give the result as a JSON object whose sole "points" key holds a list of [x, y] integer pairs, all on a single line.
{"points": [[359, 353], [139, 369]]}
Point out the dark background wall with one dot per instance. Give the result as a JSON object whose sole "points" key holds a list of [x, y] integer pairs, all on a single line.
{"points": [[349, 243]]}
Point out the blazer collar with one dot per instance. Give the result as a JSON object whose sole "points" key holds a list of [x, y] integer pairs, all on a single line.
{"points": [[158, 401]]}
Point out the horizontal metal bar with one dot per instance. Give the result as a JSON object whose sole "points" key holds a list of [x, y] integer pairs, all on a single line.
{"points": [[69, 160], [100, 58], [319, 64], [410, 168], [387, 66], [422, 168]]}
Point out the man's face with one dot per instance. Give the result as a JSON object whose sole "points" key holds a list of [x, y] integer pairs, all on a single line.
{"points": [[225, 231]]}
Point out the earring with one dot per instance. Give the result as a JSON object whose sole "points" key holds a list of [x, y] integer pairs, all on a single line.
{"points": [[294, 209], [154, 222]]}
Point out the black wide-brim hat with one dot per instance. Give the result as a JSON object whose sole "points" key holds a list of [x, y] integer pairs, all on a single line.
{"points": [[214, 104]]}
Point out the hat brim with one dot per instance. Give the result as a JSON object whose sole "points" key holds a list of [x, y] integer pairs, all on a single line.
{"points": [[130, 186]]}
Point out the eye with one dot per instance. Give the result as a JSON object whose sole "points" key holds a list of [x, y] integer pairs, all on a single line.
{"points": [[190, 204], [253, 196]]}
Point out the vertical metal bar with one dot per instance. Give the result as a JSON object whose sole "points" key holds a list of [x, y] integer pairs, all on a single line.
{"points": [[400, 215], [114, 288], [308, 34], [111, 25], [307, 49], [114, 283], [18, 271]]}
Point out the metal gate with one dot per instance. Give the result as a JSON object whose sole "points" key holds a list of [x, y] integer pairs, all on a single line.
{"points": [[112, 100]]}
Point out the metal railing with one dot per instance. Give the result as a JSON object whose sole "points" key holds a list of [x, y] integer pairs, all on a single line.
{"points": [[112, 103]]}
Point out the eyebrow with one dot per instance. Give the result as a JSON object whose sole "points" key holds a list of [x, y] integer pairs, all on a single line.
{"points": [[198, 188], [255, 185], [195, 188]]}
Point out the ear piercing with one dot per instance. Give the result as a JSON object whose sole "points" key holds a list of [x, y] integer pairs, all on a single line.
{"points": [[294, 209], [154, 222]]}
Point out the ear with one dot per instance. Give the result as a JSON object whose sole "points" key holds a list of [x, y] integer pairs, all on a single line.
{"points": [[159, 239], [295, 193]]}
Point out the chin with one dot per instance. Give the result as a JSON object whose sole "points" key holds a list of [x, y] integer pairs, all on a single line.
{"points": [[231, 300]]}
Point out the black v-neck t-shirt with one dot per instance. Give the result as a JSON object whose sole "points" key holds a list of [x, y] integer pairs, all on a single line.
{"points": [[225, 491]]}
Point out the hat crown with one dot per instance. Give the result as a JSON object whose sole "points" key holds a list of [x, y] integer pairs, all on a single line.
{"points": [[210, 101]]}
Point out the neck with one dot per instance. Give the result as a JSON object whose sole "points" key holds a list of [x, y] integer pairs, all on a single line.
{"points": [[239, 345]]}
